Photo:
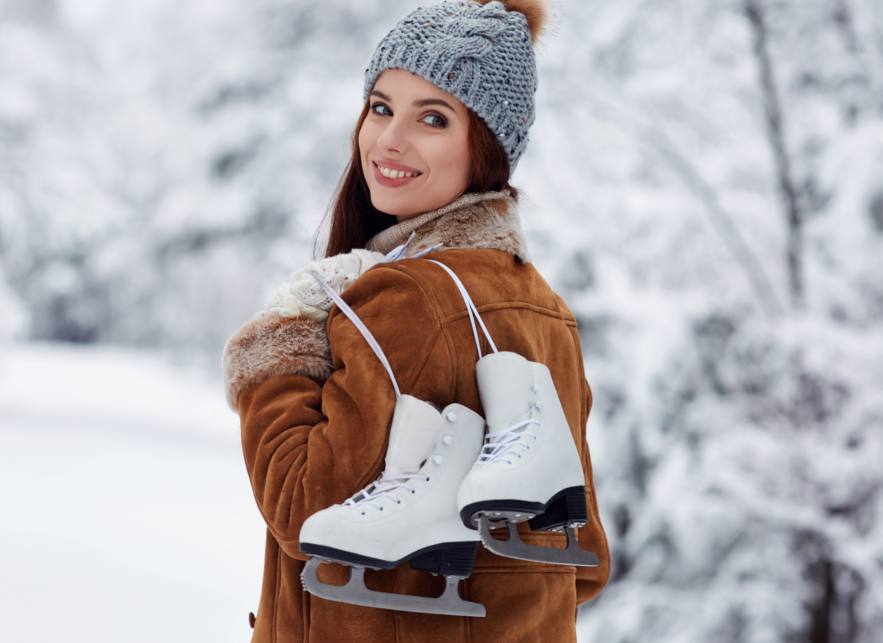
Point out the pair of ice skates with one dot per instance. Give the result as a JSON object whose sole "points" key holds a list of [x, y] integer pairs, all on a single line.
{"points": [[447, 483]]}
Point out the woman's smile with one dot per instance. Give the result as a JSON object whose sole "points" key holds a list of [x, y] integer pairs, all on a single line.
{"points": [[392, 178]]}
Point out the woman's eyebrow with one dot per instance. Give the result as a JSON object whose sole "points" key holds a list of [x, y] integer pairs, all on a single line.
{"points": [[417, 103]]}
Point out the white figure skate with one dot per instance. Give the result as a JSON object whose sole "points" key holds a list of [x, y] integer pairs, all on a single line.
{"points": [[409, 514], [529, 468]]}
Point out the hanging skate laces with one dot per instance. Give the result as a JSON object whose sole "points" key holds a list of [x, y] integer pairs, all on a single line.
{"points": [[503, 444], [382, 489]]}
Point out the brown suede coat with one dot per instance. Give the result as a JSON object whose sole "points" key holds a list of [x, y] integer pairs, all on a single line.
{"points": [[315, 405]]}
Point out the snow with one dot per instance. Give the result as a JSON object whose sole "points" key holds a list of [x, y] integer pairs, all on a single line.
{"points": [[128, 514]]}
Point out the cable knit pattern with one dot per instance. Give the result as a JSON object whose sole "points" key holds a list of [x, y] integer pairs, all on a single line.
{"points": [[277, 341], [302, 294], [480, 53]]}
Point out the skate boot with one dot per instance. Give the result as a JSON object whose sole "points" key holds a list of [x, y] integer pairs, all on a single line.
{"points": [[529, 468], [409, 514]]}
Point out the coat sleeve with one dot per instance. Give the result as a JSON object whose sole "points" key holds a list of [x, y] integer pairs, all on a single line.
{"points": [[591, 580], [308, 441]]}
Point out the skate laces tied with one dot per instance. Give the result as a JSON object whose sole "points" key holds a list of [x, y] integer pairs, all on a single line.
{"points": [[382, 488], [501, 444]]}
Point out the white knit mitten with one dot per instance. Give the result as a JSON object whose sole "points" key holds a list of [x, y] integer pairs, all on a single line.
{"points": [[302, 294]]}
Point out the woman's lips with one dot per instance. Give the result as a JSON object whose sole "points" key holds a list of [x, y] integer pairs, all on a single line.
{"points": [[391, 183]]}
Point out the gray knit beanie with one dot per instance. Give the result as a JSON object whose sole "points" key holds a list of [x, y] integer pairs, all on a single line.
{"points": [[479, 52]]}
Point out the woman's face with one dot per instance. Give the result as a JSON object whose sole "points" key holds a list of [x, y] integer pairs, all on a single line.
{"points": [[414, 126]]}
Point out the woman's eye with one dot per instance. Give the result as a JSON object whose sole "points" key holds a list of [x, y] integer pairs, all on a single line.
{"points": [[441, 119], [439, 123]]}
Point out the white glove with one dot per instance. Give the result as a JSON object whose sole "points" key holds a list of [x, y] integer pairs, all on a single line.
{"points": [[302, 294]]}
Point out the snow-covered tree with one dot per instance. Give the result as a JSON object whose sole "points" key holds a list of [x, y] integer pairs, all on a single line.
{"points": [[703, 185]]}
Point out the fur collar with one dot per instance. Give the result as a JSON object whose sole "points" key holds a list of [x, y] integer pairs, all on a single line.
{"points": [[473, 220]]}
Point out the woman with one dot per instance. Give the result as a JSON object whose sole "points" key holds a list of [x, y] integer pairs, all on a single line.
{"points": [[449, 99]]}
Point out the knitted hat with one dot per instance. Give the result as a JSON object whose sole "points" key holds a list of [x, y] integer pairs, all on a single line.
{"points": [[477, 50]]}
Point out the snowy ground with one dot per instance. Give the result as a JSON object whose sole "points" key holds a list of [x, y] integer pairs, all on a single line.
{"points": [[126, 510]]}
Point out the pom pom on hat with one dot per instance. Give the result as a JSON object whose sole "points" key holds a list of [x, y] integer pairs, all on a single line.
{"points": [[533, 10]]}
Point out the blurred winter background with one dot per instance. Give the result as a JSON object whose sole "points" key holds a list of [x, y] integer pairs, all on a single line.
{"points": [[704, 186]]}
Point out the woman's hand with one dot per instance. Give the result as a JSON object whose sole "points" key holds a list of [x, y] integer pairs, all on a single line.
{"points": [[302, 294]]}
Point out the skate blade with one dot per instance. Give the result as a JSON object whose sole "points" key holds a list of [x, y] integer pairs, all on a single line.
{"points": [[573, 554], [356, 592]]}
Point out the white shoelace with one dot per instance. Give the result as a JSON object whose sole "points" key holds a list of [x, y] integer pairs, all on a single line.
{"points": [[396, 253], [502, 444], [381, 489]]}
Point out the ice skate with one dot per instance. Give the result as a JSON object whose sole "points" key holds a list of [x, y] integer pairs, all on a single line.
{"points": [[409, 514], [529, 467]]}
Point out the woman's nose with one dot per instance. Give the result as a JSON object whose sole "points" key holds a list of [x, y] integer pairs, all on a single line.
{"points": [[394, 135]]}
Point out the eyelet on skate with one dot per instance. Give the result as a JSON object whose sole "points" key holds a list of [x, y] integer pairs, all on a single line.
{"points": [[427, 478]]}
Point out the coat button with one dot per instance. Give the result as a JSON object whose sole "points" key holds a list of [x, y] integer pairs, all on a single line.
{"points": [[251, 619], [451, 416]]}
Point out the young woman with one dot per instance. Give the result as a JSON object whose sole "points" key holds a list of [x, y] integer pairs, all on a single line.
{"points": [[449, 97]]}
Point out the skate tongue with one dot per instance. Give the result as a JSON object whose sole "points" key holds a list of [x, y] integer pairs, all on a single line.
{"points": [[412, 435], [504, 379]]}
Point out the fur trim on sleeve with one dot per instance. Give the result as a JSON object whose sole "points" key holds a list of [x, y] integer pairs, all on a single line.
{"points": [[271, 344]]}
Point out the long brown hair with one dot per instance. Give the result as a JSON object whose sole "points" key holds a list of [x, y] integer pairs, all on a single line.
{"points": [[354, 220]]}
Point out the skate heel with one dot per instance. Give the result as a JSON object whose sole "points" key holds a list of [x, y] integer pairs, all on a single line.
{"points": [[452, 559], [567, 508]]}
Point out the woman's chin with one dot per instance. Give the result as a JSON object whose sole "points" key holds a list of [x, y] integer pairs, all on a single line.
{"points": [[392, 204]]}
